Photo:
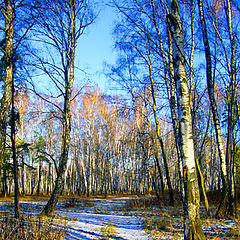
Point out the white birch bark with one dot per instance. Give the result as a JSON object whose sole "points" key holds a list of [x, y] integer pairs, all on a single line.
{"points": [[192, 225]]}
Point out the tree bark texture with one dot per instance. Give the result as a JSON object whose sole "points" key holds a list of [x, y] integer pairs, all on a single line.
{"points": [[192, 225], [8, 75]]}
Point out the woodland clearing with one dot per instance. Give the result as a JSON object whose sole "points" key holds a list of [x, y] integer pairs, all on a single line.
{"points": [[118, 218]]}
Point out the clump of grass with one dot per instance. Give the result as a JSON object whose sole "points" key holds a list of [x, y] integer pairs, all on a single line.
{"points": [[158, 223], [31, 228], [163, 223], [109, 232]]}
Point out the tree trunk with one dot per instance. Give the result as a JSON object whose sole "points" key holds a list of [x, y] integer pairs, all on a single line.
{"points": [[76, 156], [169, 79], [8, 76], [192, 225], [202, 187], [23, 176], [5, 187], [231, 101], [8, 99], [14, 156], [169, 184], [210, 84], [66, 118], [49, 182], [39, 178]]}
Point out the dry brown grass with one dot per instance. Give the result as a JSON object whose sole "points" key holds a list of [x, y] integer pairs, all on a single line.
{"points": [[29, 227], [108, 232], [140, 203], [26, 198]]}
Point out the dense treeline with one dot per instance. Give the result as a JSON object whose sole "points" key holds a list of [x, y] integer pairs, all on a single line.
{"points": [[174, 129], [105, 154], [102, 131]]}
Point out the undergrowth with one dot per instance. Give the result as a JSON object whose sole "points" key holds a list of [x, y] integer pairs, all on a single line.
{"points": [[78, 202], [30, 228], [140, 203], [166, 222]]}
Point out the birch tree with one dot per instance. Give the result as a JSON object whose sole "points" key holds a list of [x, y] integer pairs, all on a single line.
{"points": [[60, 25], [192, 224], [226, 160]]}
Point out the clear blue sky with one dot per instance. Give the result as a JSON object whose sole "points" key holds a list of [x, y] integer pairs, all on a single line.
{"points": [[96, 46]]}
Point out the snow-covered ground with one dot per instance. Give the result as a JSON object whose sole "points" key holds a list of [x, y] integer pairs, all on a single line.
{"points": [[106, 219], [91, 222]]}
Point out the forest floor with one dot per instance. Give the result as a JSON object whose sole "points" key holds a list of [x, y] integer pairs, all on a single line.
{"points": [[133, 218]]}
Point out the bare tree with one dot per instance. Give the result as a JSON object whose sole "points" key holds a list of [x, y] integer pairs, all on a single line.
{"points": [[59, 26], [192, 224]]}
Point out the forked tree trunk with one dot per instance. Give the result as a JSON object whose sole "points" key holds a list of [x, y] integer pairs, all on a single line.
{"points": [[192, 225]]}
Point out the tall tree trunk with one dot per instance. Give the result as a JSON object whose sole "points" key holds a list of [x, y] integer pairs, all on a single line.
{"points": [[156, 158], [169, 79], [210, 84], [192, 225], [199, 171], [66, 118], [169, 184], [231, 101], [198, 165], [8, 75], [8, 99], [14, 155]]}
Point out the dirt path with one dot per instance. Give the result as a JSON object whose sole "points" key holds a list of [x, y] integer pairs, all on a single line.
{"points": [[112, 218], [91, 219], [103, 220]]}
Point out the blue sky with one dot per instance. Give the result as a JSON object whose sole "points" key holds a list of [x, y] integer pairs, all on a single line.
{"points": [[96, 47]]}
